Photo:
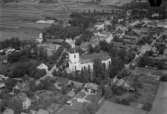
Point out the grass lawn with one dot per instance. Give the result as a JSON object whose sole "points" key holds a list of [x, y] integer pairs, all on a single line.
{"points": [[160, 102], [148, 94], [113, 108]]}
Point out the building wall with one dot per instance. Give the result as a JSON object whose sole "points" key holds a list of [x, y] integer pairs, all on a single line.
{"points": [[74, 63]]}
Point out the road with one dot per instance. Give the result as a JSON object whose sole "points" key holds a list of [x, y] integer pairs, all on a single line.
{"points": [[49, 73], [63, 6], [143, 50]]}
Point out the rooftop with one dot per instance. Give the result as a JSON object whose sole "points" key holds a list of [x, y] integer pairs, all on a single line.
{"points": [[91, 86], [87, 58]]}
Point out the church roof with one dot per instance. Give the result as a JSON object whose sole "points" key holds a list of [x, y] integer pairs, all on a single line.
{"points": [[88, 58]]}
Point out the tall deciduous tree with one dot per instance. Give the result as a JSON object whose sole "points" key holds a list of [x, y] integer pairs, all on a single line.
{"points": [[16, 104], [98, 67]]}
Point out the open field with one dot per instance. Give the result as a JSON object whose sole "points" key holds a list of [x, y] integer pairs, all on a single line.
{"points": [[18, 19], [114, 2], [160, 102], [113, 108], [80, 7]]}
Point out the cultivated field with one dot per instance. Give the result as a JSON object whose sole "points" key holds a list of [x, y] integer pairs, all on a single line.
{"points": [[114, 2], [160, 102], [18, 19], [113, 108], [80, 7]]}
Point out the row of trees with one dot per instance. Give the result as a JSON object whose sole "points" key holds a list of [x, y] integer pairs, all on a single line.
{"points": [[15, 43], [145, 61]]}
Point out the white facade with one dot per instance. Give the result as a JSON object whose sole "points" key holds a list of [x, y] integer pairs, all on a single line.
{"points": [[76, 65], [27, 103]]}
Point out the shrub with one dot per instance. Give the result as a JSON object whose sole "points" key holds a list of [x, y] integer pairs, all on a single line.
{"points": [[164, 79], [147, 107]]}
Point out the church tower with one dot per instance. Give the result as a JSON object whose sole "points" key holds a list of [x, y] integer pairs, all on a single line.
{"points": [[74, 60]]}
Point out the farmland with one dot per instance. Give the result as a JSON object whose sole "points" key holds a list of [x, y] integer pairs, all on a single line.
{"points": [[17, 19]]}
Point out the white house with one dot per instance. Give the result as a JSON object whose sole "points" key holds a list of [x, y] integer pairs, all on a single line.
{"points": [[78, 62], [162, 24], [40, 38], [71, 42], [43, 66], [99, 26], [26, 101]]}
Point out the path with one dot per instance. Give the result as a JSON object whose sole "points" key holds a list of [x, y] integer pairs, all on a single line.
{"points": [[60, 1], [143, 50], [49, 73], [160, 102]]}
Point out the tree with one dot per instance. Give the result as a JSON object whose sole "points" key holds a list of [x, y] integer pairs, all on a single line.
{"points": [[40, 73], [97, 49], [98, 67], [147, 107], [16, 104], [10, 83], [108, 92], [104, 45], [90, 48], [122, 54], [32, 85], [54, 73], [109, 27], [91, 109], [3, 105], [160, 65]]}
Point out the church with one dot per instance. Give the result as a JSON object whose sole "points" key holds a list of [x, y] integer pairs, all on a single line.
{"points": [[78, 62]]}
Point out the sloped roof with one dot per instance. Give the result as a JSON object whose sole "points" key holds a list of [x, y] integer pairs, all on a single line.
{"points": [[88, 58], [91, 86], [24, 86], [8, 111], [42, 66], [22, 96], [41, 111]]}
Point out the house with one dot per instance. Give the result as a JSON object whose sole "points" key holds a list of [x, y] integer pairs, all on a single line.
{"points": [[4, 59], [84, 46], [26, 101], [71, 42], [78, 62], [162, 24], [91, 87], [49, 48], [154, 49], [24, 86], [55, 41], [52, 108], [130, 39], [41, 111], [43, 66], [99, 26], [134, 22], [8, 111], [40, 38], [165, 52], [2, 84]]}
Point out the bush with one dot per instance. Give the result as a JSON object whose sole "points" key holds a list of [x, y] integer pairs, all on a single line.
{"points": [[147, 107], [164, 79], [122, 101]]}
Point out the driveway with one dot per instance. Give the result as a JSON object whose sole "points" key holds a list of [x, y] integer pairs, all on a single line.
{"points": [[160, 102]]}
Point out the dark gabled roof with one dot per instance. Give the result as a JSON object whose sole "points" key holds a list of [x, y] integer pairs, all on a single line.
{"points": [[88, 58]]}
